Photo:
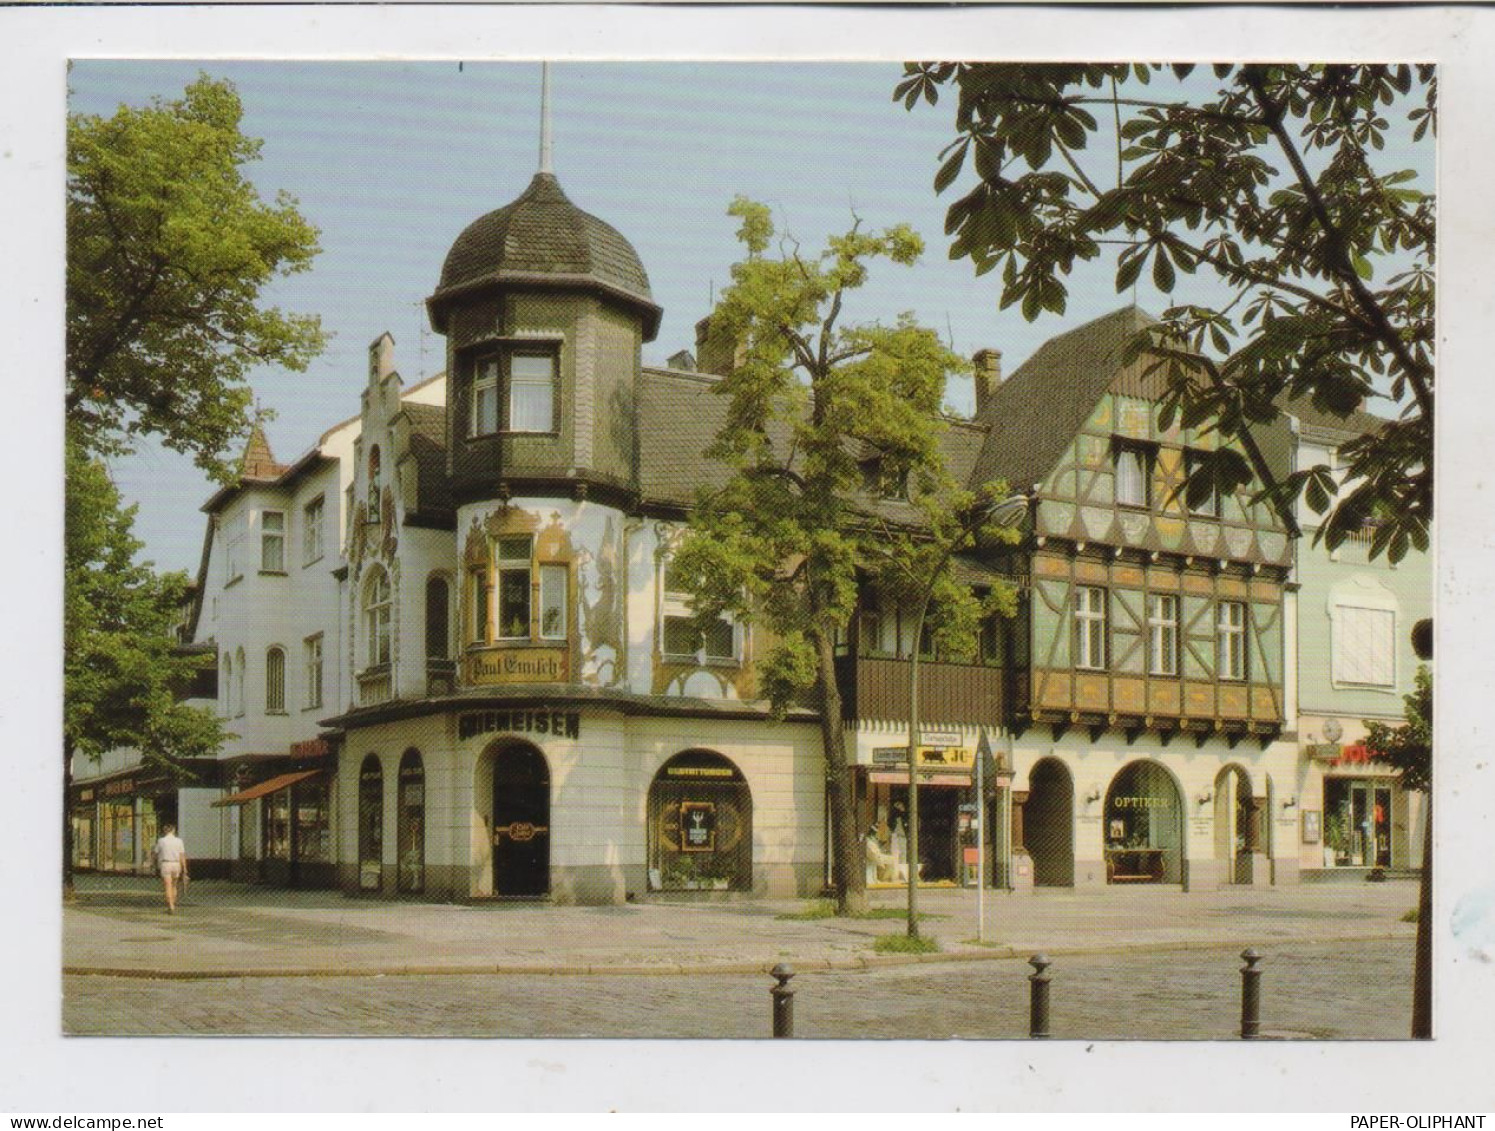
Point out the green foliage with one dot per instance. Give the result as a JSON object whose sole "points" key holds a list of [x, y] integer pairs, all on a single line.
{"points": [[822, 416], [904, 944], [121, 670], [168, 250], [1273, 183], [1409, 747]]}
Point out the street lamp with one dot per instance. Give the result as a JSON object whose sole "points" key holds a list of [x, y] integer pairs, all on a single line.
{"points": [[999, 510]]}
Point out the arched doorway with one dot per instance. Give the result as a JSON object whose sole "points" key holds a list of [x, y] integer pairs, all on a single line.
{"points": [[1048, 823], [410, 837], [700, 825], [521, 821], [1144, 826], [1237, 826], [370, 824]]}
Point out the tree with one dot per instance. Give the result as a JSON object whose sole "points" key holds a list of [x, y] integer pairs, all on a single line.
{"points": [[123, 675], [816, 407], [1271, 181], [1409, 747], [168, 250]]}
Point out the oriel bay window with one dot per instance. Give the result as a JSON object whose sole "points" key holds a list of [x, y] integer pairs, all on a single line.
{"points": [[1090, 627], [519, 599], [376, 614], [513, 390]]}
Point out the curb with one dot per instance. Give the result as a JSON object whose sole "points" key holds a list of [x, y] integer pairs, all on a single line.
{"points": [[861, 962]]}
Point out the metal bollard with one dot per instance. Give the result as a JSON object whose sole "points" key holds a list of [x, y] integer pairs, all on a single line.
{"points": [[1038, 1008], [783, 1002], [1250, 996]]}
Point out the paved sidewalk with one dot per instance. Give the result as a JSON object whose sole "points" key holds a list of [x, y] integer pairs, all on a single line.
{"points": [[117, 925]]}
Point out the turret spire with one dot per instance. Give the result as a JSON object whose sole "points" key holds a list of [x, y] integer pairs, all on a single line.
{"points": [[545, 119]]}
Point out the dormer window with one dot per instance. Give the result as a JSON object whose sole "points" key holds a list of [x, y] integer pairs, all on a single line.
{"points": [[514, 391]]}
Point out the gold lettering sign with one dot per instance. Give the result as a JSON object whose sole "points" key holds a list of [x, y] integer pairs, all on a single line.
{"points": [[518, 665]]}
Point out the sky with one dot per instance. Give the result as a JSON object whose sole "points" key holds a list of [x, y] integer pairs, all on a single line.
{"points": [[392, 160]]}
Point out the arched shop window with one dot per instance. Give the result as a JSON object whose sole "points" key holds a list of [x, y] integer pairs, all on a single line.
{"points": [[1144, 826], [371, 824], [411, 835], [700, 825]]}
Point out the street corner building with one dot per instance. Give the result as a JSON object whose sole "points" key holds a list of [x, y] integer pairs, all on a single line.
{"points": [[457, 665]]}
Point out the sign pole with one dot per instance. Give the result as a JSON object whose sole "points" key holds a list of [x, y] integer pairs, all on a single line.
{"points": [[983, 752]]}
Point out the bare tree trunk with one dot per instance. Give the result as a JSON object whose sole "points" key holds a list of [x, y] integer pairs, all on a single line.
{"points": [[1422, 967], [848, 872]]}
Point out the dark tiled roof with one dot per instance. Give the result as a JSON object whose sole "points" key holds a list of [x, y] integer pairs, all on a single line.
{"points": [[258, 462], [543, 234], [1357, 423], [1033, 415], [679, 416], [428, 447]]}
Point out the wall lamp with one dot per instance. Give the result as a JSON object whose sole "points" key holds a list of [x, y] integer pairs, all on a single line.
{"points": [[1093, 795], [1206, 797], [1290, 803]]}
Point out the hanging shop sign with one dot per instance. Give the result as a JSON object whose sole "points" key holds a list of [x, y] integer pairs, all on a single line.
{"points": [[311, 748], [563, 724], [499, 666]]}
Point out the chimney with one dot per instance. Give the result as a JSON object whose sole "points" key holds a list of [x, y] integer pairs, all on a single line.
{"points": [[713, 355], [381, 357], [988, 374]]}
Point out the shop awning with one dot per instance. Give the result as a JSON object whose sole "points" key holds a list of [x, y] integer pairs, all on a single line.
{"points": [[265, 788]]}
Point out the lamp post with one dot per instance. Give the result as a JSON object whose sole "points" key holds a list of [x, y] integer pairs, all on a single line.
{"points": [[978, 515]]}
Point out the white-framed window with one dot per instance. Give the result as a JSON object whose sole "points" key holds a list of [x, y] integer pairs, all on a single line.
{"points": [[1363, 646], [1162, 634], [1133, 464], [1209, 506], [554, 584], [272, 541], [377, 609], [483, 419], [312, 646], [531, 392], [512, 563], [1230, 640], [275, 681], [312, 515], [513, 391], [681, 639], [1090, 627]]}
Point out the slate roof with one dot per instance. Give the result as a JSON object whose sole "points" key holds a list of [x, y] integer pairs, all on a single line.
{"points": [[433, 492], [542, 236], [1032, 416]]}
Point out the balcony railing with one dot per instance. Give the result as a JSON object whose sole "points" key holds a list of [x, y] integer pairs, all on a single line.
{"points": [[877, 688]]}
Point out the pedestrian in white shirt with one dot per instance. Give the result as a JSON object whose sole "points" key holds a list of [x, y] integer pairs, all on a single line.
{"points": [[171, 858]]}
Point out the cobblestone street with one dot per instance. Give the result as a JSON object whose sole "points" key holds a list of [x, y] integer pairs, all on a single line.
{"points": [[1345, 990]]}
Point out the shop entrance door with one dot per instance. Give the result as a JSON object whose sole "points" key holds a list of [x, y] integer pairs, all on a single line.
{"points": [[1370, 824], [521, 822]]}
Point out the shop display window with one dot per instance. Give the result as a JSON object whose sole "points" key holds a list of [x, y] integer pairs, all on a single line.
{"points": [[700, 825]]}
